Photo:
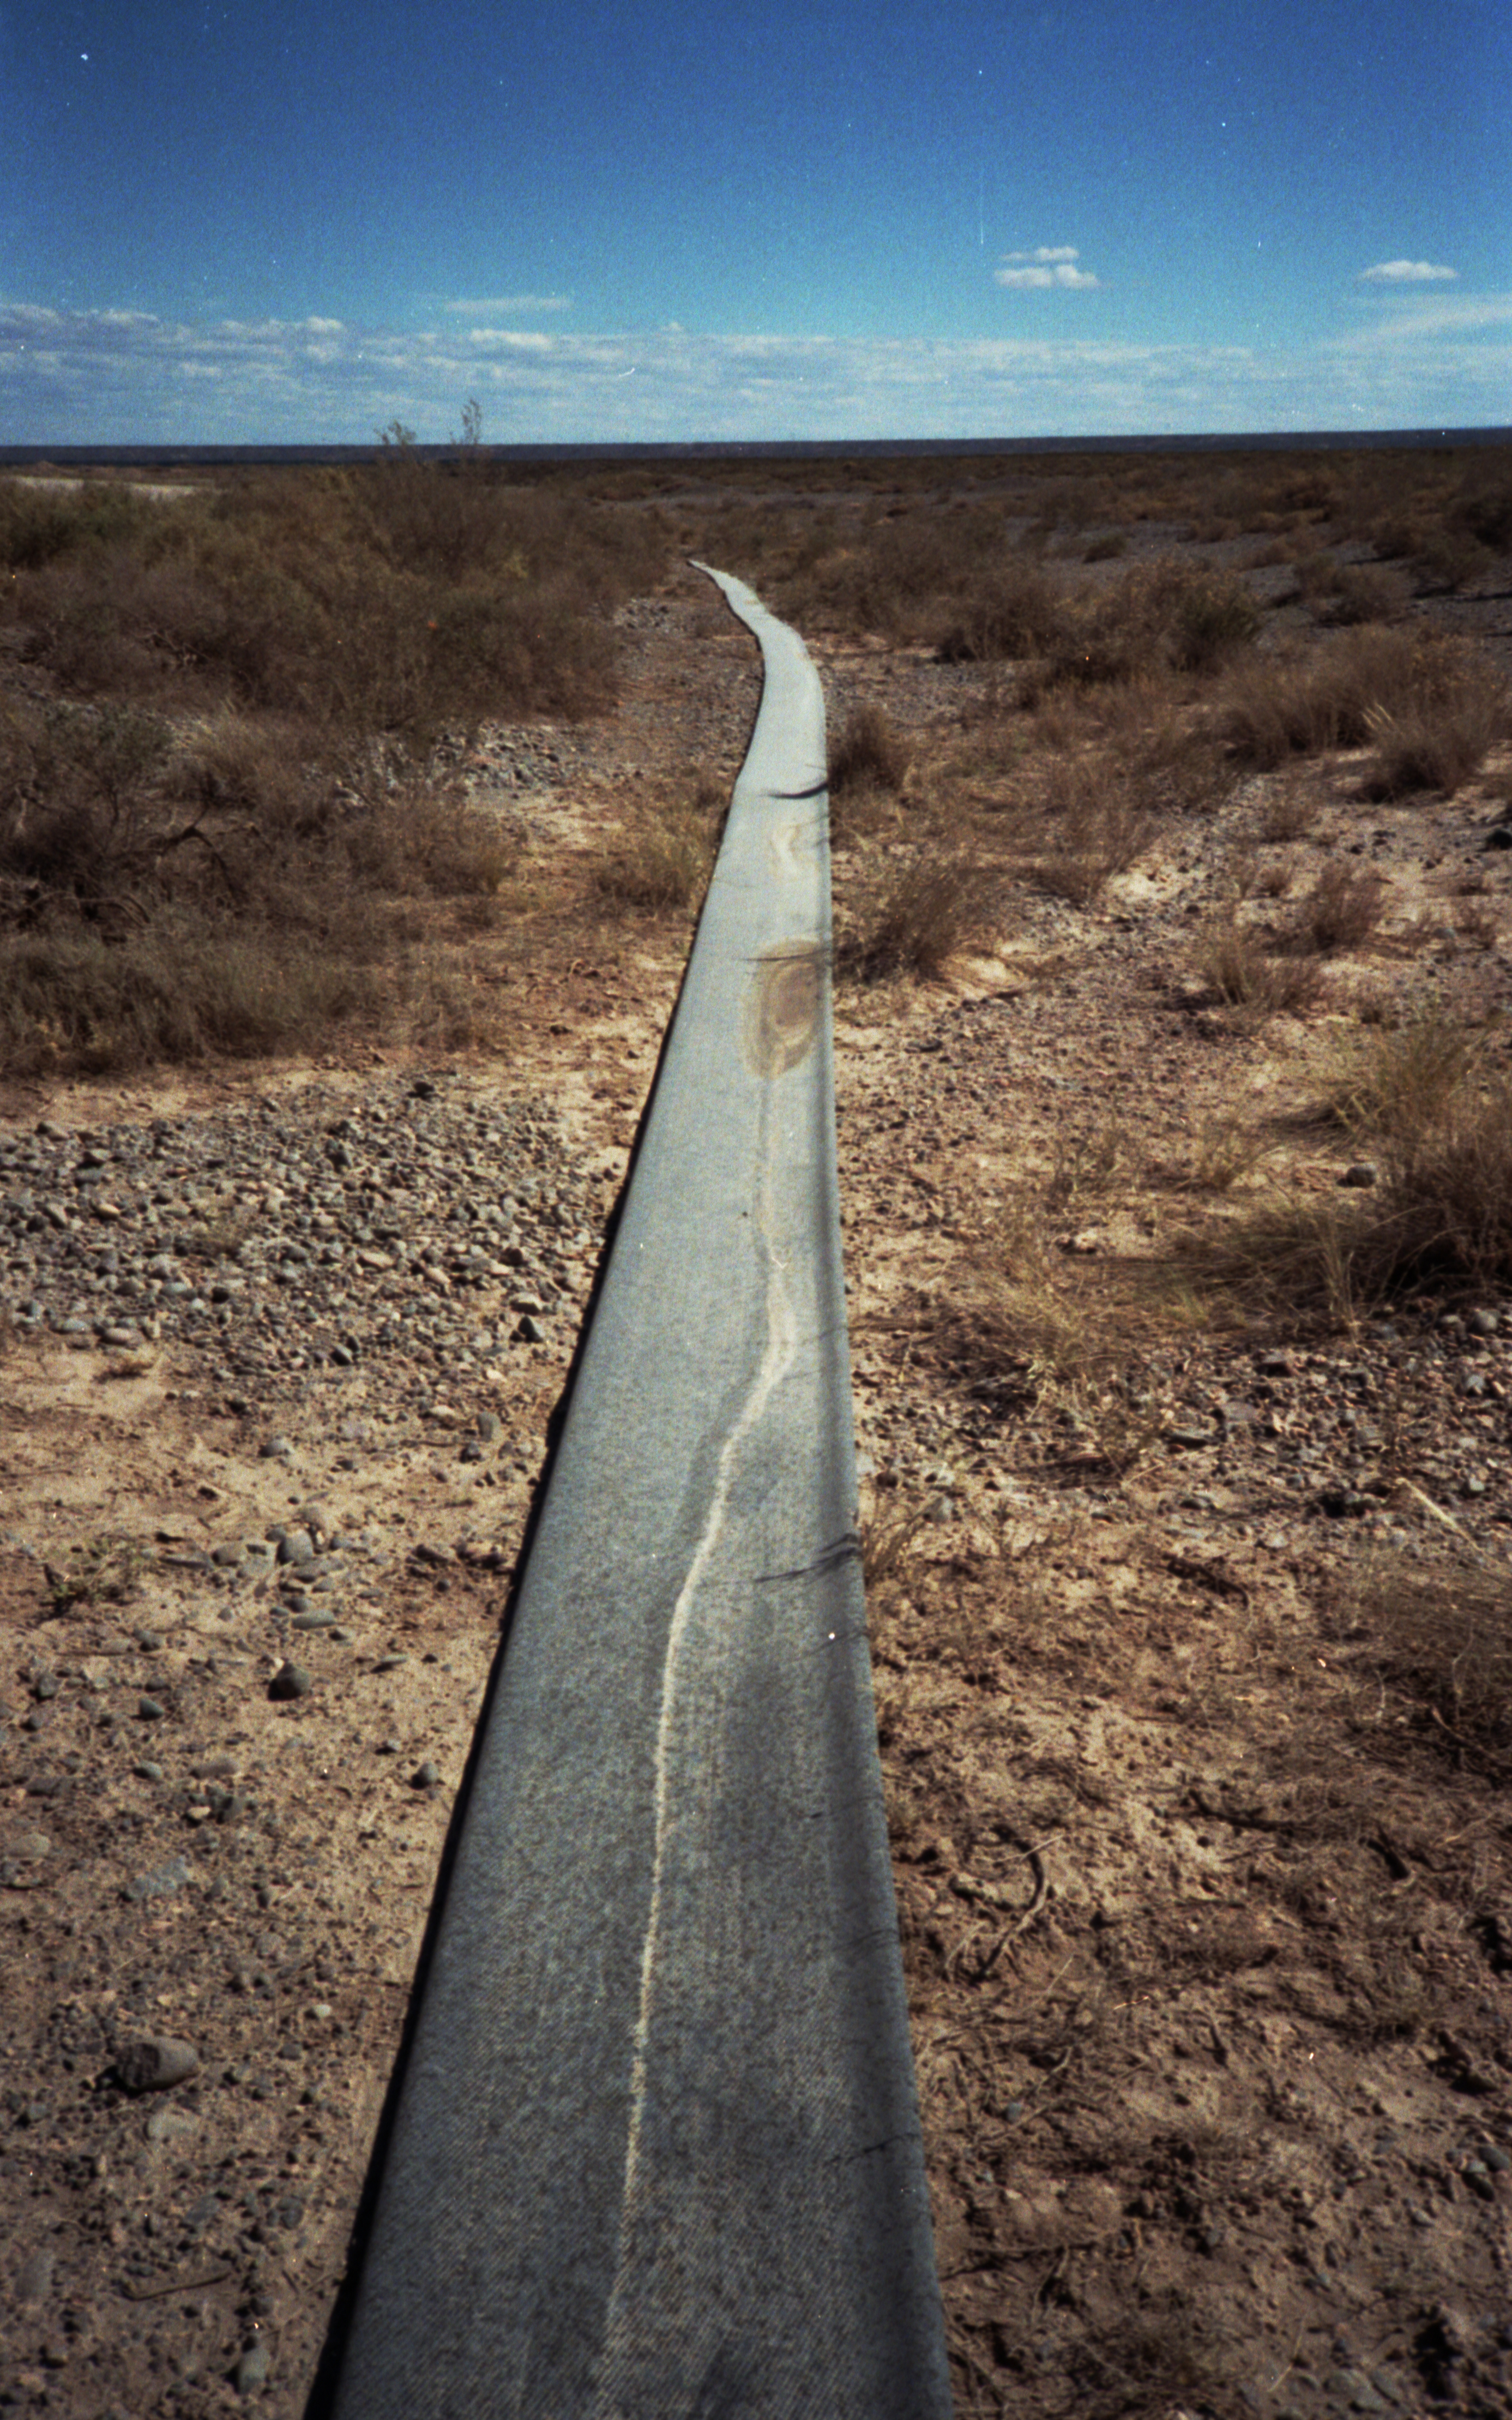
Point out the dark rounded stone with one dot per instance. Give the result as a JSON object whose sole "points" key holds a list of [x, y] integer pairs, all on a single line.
{"points": [[155, 2064]]}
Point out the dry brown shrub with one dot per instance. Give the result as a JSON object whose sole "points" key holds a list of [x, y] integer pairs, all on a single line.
{"points": [[1301, 704], [662, 865], [1288, 812], [1242, 975], [231, 893], [1443, 1639], [1450, 559], [1368, 592], [401, 597], [1441, 1121], [1341, 911], [920, 916], [869, 750], [1097, 825], [1440, 737], [1011, 610], [72, 1000], [1218, 1153], [1401, 1082], [1155, 618]]}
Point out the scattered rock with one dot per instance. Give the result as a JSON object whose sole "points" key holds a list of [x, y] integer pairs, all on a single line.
{"points": [[172, 2126], [155, 2064], [290, 1681]]}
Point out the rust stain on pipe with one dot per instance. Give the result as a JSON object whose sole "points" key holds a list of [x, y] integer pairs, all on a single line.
{"points": [[781, 1008]]}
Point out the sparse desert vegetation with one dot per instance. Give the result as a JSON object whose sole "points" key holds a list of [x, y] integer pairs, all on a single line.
{"points": [[1170, 820]]}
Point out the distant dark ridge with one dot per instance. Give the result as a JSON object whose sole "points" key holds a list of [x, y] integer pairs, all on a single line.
{"points": [[799, 449]]}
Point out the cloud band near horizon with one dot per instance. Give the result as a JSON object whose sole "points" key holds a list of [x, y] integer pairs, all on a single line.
{"points": [[126, 377]]}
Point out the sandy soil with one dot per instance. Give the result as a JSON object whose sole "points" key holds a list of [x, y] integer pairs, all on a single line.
{"points": [[1209, 1927]]}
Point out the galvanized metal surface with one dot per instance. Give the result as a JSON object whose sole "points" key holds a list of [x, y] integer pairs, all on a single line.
{"points": [[658, 2152]]}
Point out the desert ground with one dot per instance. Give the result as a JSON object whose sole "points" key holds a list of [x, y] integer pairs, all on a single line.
{"points": [[1172, 822]]}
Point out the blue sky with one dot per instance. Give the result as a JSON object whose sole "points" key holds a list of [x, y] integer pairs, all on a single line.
{"points": [[299, 222]]}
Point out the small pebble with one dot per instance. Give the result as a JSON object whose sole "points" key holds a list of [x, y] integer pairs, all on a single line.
{"points": [[34, 2282], [149, 1711], [290, 1681], [146, 1770], [160, 1881], [425, 1776], [250, 2375]]}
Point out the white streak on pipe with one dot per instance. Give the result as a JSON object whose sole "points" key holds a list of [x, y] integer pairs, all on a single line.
{"points": [[777, 1359]]}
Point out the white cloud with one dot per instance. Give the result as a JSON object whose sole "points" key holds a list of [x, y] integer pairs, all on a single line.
{"points": [[1047, 265], [474, 309], [510, 340], [1405, 272], [80, 378]]}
